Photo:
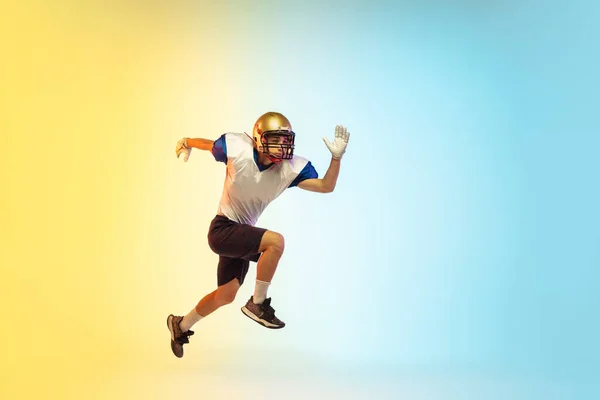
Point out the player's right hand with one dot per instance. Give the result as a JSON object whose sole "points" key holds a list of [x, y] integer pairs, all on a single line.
{"points": [[182, 148]]}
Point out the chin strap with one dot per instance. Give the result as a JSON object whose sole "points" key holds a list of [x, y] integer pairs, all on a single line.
{"points": [[273, 159]]}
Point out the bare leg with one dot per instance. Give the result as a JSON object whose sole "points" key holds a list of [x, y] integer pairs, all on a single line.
{"points": [[224, 295], [271, 247]]}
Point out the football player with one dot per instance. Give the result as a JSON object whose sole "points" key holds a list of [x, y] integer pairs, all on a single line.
{"points": [[259, 169]]}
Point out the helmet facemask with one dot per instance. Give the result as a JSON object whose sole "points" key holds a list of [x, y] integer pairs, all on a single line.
{"points": [[277, 145]]}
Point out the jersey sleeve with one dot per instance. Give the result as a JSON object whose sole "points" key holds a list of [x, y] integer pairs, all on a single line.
{"points": [[219, 150], [308, 172]]}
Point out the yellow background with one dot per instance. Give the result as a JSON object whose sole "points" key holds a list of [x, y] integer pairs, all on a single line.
{"points": [[93, 199]]}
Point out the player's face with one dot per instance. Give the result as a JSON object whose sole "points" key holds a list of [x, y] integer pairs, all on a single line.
{"points": [[275, 142]]}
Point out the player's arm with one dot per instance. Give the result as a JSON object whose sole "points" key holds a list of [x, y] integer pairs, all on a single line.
{"points": [[216, 147], [325, 184], [199, 143]]}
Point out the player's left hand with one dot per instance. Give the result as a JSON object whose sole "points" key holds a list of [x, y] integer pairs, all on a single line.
{"points": [[338, 147], [182, 148]]}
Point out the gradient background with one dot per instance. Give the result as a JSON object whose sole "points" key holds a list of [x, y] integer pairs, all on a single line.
{"points": [[457, 259]]}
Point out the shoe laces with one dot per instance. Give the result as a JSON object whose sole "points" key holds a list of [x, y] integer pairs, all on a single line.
{"points": [[184, 337], [267, 309]]}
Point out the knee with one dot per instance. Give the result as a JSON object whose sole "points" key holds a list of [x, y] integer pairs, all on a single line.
{"points": [[224, 297], [277, 244]]}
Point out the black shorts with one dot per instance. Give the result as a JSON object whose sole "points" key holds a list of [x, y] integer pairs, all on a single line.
{"points": [[236, 244]]}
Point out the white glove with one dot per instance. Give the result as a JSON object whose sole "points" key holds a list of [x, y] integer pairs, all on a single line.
{"points": [[338, 147], [182, 148]]}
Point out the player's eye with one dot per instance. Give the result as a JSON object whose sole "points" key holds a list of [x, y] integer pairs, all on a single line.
{"points": [[280, 139]]}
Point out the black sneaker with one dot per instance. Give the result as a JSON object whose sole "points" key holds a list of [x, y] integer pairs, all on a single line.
{"points": [[262, 313], [178, 338]]}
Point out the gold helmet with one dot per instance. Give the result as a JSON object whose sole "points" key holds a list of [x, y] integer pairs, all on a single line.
{"points": [[273, 136]]}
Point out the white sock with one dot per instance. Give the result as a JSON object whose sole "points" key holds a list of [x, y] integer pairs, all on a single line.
{"points": [[189, 320], [260, 291]]}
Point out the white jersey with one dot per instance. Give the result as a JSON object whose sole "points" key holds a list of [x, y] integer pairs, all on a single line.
{"points": [[247, 190]]}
